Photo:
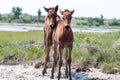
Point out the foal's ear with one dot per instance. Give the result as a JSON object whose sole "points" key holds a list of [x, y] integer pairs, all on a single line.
{"points": [[56, 8], [61, 12], [46, 9], [72, 11]]}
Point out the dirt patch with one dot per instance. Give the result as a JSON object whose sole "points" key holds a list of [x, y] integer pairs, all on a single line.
{"points": [[32, 70], [29, 72], [11, 60]]}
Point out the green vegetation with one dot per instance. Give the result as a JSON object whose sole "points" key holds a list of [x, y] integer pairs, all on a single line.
{"points": [[16, 12], [89, 49], [97, 50], [16, 37], [16, 16], [19, 44], [95, 22]]}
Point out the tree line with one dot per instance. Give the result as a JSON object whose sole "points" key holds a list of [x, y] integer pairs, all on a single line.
{"points": [[16, 16], [97, 21]]}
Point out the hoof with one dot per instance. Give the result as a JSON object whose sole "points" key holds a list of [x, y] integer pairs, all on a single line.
{"points": [[43, 72], [66, 76], [58, 77], [70, 78], [51, 77]]}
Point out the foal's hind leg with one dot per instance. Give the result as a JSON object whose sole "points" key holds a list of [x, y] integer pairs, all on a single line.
{"points": [[47, 58]]}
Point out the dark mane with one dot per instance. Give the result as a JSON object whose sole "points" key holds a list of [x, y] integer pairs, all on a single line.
{"points": [[66, 10], [51, 8]]}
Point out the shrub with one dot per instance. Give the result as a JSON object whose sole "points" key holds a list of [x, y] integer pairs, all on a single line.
{"points": [[116, 44], [90, 48]]}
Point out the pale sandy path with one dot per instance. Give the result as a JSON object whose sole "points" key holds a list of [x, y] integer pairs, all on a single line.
{"points": [[22, 72]]}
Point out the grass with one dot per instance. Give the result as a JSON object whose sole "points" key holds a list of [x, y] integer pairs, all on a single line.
{"points": [[18, 43], [15, 37], [89, 48], [101, 55]]}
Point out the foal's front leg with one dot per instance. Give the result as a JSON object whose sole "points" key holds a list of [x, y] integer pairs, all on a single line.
{"points": [[66, 64], [47, 51], [60, 61], [54, 61]]}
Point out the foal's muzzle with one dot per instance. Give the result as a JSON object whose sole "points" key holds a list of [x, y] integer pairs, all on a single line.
{"points": [[67, 27], [53, 25]]}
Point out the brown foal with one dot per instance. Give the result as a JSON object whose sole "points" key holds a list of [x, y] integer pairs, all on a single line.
{"points": [[63, 38], [50, 25]]}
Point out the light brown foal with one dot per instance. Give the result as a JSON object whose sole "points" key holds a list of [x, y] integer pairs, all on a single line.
{"points": [[63, 38], [50, 25]]}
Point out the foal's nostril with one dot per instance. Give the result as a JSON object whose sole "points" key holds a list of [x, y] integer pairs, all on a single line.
{"points": [[52, 25], [67, 27]]}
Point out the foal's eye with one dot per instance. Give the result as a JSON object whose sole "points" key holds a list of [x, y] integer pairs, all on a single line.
{"points": [[63, 18], [48, 16]]}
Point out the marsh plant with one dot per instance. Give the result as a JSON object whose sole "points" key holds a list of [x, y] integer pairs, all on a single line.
{"points": [[97, 50]]}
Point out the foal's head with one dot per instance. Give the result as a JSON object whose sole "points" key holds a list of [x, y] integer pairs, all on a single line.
{"points": [[51, 16], [67, 16]]}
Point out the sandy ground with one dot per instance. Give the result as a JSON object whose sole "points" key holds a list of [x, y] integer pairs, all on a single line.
{"points": [[29, 72]]}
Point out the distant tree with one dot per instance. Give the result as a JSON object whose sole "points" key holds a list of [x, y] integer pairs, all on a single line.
{"points": [[10, 18], [0, 17], [101, 20], [17, 11], [82, 18], [27, 18], [97, 21], [90, 21], [114, 22], [39, 15]]}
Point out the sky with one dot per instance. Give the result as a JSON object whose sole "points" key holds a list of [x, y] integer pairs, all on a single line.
{"points": [[83, 8]]}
